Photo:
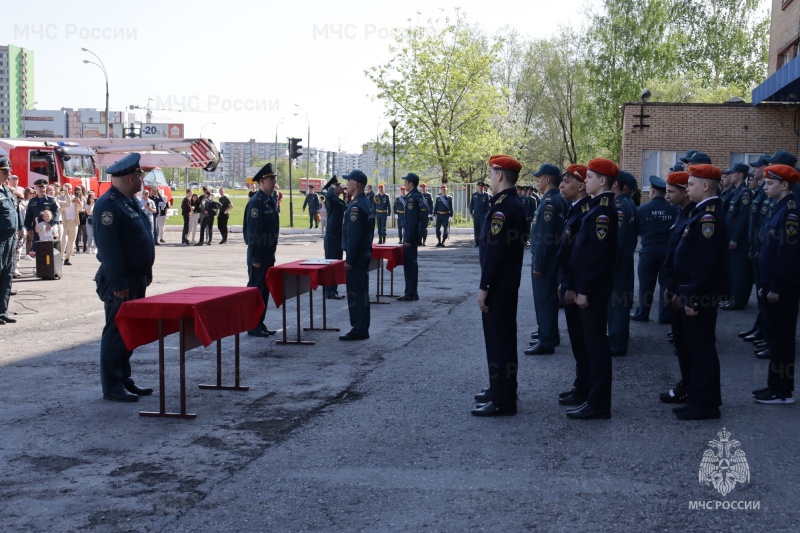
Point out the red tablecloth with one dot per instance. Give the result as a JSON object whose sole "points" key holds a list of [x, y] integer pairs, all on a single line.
{"points": [[393, 253], [330, 274], [218, 312]]}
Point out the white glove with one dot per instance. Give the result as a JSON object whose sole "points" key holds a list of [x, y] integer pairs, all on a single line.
{"points": [[450, 219], [395, 217]]}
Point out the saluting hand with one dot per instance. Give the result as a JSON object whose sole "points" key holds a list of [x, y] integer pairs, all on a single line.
{"points": [[482, 295]]}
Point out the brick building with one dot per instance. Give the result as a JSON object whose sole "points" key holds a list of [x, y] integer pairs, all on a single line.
{"points": [[730, 132]]}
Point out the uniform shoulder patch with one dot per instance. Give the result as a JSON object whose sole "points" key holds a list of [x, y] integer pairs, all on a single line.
{"points": [[745, 199], [791, 205], [354, 213], [602, 219], [498, 219], [254, 212], [500, 200], [585, 208], [107, 218], [707, 218], [548, 205]]}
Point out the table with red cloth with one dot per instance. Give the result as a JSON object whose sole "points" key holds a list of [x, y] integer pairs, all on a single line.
{"points": [[290, 280], [393, 254], [201, 315]]}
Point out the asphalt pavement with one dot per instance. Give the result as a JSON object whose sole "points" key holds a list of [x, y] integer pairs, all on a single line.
{"points": [[367, 436]]}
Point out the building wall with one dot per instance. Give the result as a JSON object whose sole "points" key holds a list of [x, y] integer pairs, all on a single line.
{"points": [[784, 31], [16, 88], [720, 130]]}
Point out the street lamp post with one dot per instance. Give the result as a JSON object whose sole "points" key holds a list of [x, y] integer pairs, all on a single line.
{"points": [[393, 123], [102, 67], [275, 163]]}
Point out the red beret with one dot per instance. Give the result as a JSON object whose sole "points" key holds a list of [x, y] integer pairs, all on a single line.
{"points": [[678, 179], [504, 162], [577, 171], [706, 172], [423, 184], [782, 172], [606, 167]]}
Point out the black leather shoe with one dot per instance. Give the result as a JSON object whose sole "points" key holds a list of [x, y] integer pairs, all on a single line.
{"points": [[2, 322], [566, 393], [731, 307], [760, 345], [270, 331], [574, 398], [5, 318], [743, 334], [584, 412], [354, 337], [120, 395], [694, 412], [336, 297], [759, 392], [408, 298], [535, 335], [483, 397], [538, 349], [677, 394], [258, 333], [640, 318], [764, 354], [490, 409], [753, 337], [139, 391]]}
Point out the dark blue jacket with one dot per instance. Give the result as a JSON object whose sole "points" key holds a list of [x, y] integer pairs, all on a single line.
{"points": [[312, 201], [479, 205], [738, 216], [10, 222], [780, 251], [572, 227], [548, 225], [443, 206], [656, 218], [502, 242], [675, 234], [383, 206], [36, 205], [359, 226], [260, 228], [416, 217], [759, 211], [595, 249], [627, 229]]}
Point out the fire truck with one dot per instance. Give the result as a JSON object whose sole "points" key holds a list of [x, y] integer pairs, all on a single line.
{"points": [[76, 161]]}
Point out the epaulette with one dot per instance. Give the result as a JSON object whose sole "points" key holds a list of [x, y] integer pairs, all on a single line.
{"points": [[791, 205], [710, 208], [585, 208], [500, 200], [604, 201], [112, 196]]}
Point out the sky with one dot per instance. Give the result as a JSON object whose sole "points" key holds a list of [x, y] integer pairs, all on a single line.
{"points": [[235, 70]]}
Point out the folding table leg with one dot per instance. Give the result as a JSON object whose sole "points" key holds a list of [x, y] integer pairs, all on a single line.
{"points": [[219, 385], [299, 339], [162, 401], [379, 283]]}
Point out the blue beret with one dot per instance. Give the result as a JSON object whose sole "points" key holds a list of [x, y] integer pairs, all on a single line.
{"points": [[657, 183], [782, 157], [760, 162], [356, 175], [127, 165], [547, 170], [411, 178]]}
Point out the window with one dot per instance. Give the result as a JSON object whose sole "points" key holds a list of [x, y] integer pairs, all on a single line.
{"points": [[656, 163], [744, 157]]}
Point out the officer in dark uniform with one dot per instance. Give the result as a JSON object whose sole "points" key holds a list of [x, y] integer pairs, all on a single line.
{"points": [[656, 217], [383, 209], [699, 258], [333, 232], [359, 228], [758, 211], [501, 251], [312, 201], [573, 189], [740, 279], [478, 207], [592, 261], [370, 195], [10, 231], [619, 307], [526, 208], [546, 230], [400, 213], [260, 230], [37, 204], [679, 199], [443, 209], [780, 284], [427, 208], [126, 252], [416, 218]]}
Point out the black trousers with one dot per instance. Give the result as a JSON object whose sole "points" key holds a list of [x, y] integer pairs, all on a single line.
{"points": [[477, 227], [594, 319], [401, 220], [206, 226], [358, 295], [545, 305], [115, 365], [781, 330], [740, 276], [619, 308], [650, 270], [410, 269], [681, 347], [257, 277], [760, 321], [500, 337], [332, 243], [312, 222], [185, 234], [380, 218], [575, 329], [222, 226], [701, 342], [442, 227]]}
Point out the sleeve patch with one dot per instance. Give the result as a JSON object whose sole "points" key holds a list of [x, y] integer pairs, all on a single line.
{"points": [[602, 219], [707, 218]]}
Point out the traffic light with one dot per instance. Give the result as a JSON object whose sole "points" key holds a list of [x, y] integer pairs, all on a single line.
{"points": [[294, 148]]}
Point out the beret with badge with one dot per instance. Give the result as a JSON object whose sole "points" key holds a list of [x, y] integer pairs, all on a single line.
{"points": [[782, 172], [504, 162], [577, 171]]}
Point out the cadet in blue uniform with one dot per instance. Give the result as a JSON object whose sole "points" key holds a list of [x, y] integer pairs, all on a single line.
{"points": [[699, 258], [679, 199], [740, 279], [36, 205], [427, 208], [758, 211], [547, 227], [126, 252], [592, 262], [400, 213], [383, 209], [10, 231], [260, 230], [333, 232], [501, 251], [619, 306], [478, 207], [312, 201], [370, 195], [656, 217], [359, 228], [415, 222], [443, 209], [780, 284], [573, 189]]}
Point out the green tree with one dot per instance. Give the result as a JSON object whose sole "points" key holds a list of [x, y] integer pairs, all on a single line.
{"points": [[438, 85]]}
